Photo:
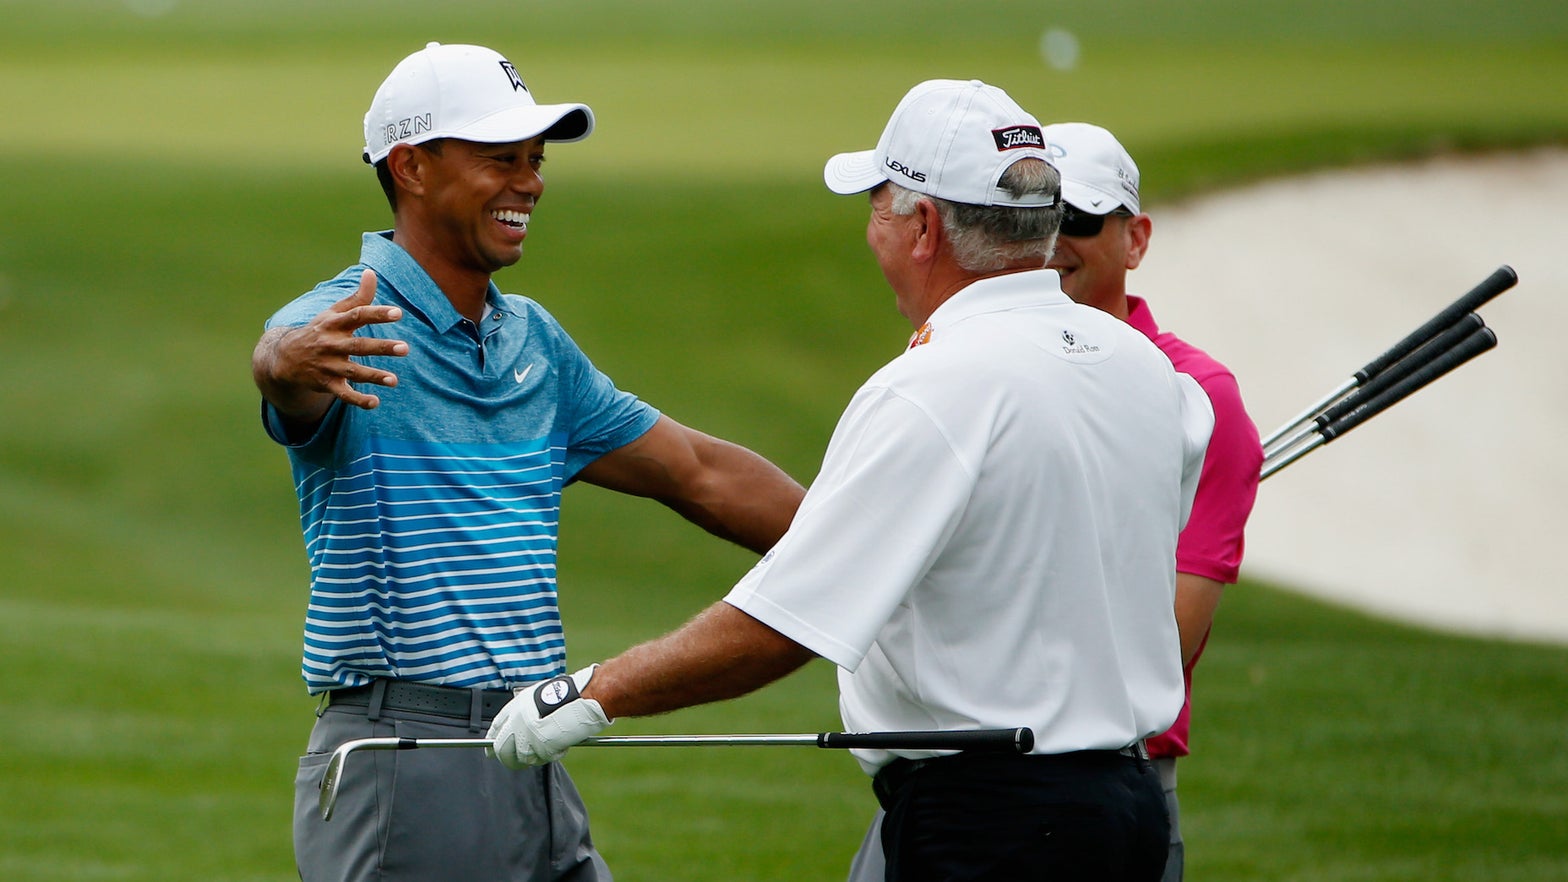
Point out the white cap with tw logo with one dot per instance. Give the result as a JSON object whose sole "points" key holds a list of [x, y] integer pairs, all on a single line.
{"points": [[1098, 176], [465, 92], [951, 139]]}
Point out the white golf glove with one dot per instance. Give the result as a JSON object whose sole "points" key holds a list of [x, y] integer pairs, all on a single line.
{"points": [[542, 721]]}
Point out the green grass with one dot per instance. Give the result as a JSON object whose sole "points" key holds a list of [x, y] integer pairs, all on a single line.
{"points": [[167, 181], [729, 91]]}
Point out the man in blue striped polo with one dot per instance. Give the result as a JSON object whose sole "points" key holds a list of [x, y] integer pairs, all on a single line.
{"points": [[431, 423]]}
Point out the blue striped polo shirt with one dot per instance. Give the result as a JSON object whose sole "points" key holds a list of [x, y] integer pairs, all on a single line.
{"points": [[430, 522]]}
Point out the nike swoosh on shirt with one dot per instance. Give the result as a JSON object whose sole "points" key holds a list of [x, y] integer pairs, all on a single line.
{"points": [[521, 375]]}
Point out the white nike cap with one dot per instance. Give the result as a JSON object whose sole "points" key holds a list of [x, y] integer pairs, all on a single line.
{"points": [[1098, 175], [465, 92], [951, 139]]}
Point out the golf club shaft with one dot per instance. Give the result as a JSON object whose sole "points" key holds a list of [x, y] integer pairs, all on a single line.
{"points": [[1271, 444], [1017, 740], [1020, 740], [1011, 740], [1499, 281], [1367, 407], [1453, 336]]}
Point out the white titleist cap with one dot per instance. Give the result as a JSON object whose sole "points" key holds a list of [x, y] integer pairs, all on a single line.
{"points": [[1097, 174], [465, 92], [951, 139]]}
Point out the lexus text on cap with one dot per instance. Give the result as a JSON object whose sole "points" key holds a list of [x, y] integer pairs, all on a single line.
{"points": [[951, 139], [1098, 175], [465, 92]]}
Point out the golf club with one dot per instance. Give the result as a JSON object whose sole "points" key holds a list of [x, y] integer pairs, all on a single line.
{"points": [[1020, 740], [1364, 407], [1499, 281], [1451, 337]]}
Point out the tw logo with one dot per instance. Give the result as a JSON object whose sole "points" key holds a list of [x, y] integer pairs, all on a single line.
{"points": [[514, 76]]}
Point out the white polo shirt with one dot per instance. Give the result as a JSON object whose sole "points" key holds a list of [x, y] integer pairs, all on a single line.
{"points": [[991, 541]]}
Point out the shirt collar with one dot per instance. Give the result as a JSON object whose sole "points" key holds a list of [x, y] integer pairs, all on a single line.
{"points": [[414, 286], [1041, 287], [1139, 316]]}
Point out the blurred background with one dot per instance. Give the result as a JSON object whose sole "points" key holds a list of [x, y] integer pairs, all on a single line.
{"points": [[172, 171]]}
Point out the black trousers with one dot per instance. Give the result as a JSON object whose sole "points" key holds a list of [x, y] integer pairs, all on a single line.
{"points": [[1096, 816]]}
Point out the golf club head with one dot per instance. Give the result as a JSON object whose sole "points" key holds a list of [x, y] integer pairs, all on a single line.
{"points": [[332, 777], [330, 780]]}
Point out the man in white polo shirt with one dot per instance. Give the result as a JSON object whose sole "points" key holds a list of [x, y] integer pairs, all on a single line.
{"points": [[989, 541]]}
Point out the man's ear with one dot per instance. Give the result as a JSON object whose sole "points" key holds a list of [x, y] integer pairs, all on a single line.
{"points": [[1139, 228], [928, 232], [408, 167]]}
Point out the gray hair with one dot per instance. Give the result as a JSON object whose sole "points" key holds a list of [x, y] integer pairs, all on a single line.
{"points": [[987, 238]]}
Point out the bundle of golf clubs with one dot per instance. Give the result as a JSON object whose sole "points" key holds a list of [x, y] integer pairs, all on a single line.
{"points": [[1446, 341]]}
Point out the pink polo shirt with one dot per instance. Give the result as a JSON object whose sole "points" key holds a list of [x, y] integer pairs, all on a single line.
{"points": [[1211, 545]]}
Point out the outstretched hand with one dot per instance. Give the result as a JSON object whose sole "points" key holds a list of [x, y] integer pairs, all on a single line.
{"points": [[301, 370]]}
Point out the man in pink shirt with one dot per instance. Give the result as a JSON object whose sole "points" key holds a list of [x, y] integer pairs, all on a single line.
{"points": [[1103, 236]]}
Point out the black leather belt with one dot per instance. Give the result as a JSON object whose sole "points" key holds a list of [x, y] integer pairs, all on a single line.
{"points": [[423, 698], [891, 778]]}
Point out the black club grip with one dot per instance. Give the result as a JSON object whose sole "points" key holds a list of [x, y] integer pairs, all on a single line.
{"points": [[1366, 407], [1020, 740], [1499, 281]]}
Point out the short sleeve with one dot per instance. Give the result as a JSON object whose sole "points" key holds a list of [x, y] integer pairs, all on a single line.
{"points": [[888, 498]]}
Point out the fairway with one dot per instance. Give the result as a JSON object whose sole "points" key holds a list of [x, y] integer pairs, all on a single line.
{"points": [[174, 171]]}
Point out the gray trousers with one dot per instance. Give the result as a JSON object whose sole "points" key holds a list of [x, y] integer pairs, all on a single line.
{"points": [[435, 815], [869, 866], [1174, 861]]}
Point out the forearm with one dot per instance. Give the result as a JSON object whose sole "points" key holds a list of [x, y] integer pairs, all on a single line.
{"points": [[722, 487], [742, 497], [721, 654], [1197, 598]]}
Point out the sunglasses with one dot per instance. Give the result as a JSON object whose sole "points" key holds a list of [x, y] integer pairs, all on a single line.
{"points": [[1082, 224]]}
